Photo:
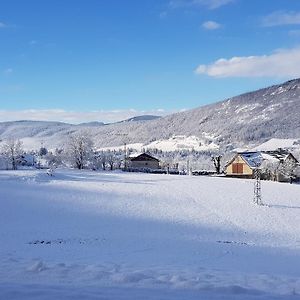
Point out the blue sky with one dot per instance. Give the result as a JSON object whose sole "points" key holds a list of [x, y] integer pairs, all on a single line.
{"points": [[110, 59]]}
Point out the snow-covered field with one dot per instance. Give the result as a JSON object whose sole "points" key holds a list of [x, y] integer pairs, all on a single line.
{"points": [[89, 235]]}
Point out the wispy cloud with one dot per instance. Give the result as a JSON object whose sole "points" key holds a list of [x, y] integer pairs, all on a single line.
{"points": [[280, 18], [281, 63], [211, 4], [294, 33], [211, 25], [75, 117], [3, 25], [163, 14], [32, 42], [8, 71]]}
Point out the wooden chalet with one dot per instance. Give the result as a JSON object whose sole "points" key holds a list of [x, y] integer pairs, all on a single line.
{"points": [[243, 164]]}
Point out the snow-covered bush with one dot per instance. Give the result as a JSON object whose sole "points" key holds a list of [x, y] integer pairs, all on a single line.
{"points": [[80, 149], [12, 151]]}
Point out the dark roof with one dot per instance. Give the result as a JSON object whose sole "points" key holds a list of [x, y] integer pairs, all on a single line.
{"points": [[253, 159], [281, 154], [144, 157]]}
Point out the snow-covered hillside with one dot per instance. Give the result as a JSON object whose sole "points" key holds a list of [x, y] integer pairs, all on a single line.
{"points": [[89, 235], [34, 133], [175, 143], [251, 118], [182, 143], [274, 144]]}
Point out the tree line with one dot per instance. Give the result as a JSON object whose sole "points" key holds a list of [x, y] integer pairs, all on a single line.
{"points": [[79, 152]]}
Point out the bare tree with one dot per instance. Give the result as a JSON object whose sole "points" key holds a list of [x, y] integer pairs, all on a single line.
{"points": [[217, 163], [269, 169], [288, 169], [96, 162], [276, 169], [12, 150], [118, 162], [80, 149], [103, 160], [111, 159], [43, 151], [54, 159]]}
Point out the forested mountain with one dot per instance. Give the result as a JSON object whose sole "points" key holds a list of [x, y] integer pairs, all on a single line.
{"points": [[250, 118]]}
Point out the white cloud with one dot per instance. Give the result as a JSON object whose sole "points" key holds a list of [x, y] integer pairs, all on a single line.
{"points": [[282, 63], [211, 4], [211, 25], [75, 117], [279, 18]]}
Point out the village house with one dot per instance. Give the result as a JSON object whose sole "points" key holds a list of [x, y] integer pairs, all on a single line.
{"points": [[243, 164], [143, 161], [278, 165]]}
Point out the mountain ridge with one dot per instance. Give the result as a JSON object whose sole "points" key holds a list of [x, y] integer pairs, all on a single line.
{"points": [[250, 118]]}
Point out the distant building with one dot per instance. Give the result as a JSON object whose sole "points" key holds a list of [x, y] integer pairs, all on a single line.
{"points": [[278, 165], [143, 161]]}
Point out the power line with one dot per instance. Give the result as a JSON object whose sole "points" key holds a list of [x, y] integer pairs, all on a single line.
{"points": [[257, 187]]}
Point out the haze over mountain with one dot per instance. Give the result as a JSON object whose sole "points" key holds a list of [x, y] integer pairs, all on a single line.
{"points": [[142, 118], [250, 118]]}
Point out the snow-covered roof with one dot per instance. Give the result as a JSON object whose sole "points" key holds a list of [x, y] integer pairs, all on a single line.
{"points": [[255, 158], [143, 156], [274, 144], [135, 154], [268, 157]]}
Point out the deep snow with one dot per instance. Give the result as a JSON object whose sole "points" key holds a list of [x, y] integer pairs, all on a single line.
{"points": [[89, 235]]}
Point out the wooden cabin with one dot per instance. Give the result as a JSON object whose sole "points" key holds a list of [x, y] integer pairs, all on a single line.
{"points": [[243, 164]]}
